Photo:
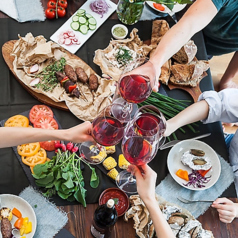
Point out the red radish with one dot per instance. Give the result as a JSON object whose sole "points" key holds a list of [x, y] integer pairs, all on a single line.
{"points": [[34, 82], [68, 42], [34, 68]]}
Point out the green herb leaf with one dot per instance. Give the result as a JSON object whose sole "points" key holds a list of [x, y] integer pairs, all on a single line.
{"points": [[69, 183], [94, 181], [116, 200], [80, 195]]}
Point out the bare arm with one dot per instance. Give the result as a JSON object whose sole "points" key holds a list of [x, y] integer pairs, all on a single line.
{"points": [[146, 190], [14, 136], [196, 112]]}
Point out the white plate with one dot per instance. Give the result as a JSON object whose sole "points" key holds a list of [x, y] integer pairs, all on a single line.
{"points": [[177, 7], [83, 38], [174, 162], [11, 201]]}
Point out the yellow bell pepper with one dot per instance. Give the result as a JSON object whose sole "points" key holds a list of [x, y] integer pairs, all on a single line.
{"points": [[28, 227]]}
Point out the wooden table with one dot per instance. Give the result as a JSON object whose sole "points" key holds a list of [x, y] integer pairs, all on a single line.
{"points": [[80, 218]]}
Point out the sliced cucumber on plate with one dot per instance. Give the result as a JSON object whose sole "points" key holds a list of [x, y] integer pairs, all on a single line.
{"points": [[83, 22]]}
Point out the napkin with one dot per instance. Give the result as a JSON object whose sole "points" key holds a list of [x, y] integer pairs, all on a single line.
{"points": [[170, 189], [50, 220], [22, 11]]}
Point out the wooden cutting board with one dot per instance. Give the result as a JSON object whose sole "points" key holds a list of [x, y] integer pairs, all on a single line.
{"points": [[6, 52]]}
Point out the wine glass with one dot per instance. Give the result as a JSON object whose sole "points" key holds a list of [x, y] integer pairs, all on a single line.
{"points": [[139, 146], [107, 130], [134, 87], [150, 112]]}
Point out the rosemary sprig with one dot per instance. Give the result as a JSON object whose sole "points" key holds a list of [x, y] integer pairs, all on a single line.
{"points": [[48, 80], [123, 56]]}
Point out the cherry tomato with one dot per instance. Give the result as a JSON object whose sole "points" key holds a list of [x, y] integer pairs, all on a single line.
{"points": [[39, 110], [158, 6], [46, 122], [63, 4], [61, 11], [50, 13], [51, 4], [49, 145]]}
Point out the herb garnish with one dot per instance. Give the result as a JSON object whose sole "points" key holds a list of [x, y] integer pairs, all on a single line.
{"points": [[123, 56], [48, 80], [62, 175], [116, 200]]}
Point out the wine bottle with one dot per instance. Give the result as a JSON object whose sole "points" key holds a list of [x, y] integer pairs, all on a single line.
{"points": [[105, 217]]}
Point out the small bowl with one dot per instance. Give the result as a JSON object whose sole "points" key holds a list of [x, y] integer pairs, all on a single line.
{"points": [[122, 28], [110, 193]]}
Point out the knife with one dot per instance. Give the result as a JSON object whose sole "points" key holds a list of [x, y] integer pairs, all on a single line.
{"points": [[174, 142]]}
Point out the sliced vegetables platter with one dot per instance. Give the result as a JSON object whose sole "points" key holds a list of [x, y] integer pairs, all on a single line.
{"points": [[81, 26]]}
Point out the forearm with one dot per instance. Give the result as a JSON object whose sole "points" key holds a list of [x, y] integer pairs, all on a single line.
{"points": [[162, 227], [13, 136], [196, 112]]}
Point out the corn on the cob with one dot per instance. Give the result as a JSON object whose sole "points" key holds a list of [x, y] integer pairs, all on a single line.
{"points": [[113, 173], [122, 162], [110, 149], [109, 163]]}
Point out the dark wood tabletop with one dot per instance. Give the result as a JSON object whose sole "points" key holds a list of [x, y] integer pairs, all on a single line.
{"points": [[80, 218]]}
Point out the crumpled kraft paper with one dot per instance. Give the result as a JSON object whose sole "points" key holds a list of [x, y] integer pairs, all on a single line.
{"points": [[30, 50]]}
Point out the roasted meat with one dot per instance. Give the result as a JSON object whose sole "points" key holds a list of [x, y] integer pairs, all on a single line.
{"points": [[93, 82], [69, 71], [6, 228], [82, 76]]}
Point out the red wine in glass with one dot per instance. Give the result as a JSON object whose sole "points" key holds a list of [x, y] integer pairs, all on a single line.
{"points": [[137, 150], [107, 131], [147, 124], [135, 88]]}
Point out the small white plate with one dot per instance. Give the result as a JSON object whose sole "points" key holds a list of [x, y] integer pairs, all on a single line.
{"points": [[11, 201], [174, 162], [177, 7], [81, 37]]}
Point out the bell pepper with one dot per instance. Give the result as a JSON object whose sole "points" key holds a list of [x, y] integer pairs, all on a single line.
{"points": [[64, 80], [203, 172], [19, 222], [16, 212], [183, 174], [72, 87]]}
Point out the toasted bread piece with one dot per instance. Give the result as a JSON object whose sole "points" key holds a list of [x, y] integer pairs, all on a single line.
{"points": [[159, 28], [165, 72]]}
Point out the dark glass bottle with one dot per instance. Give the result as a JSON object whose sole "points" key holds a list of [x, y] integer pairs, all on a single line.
{"points": [[105, 217]]}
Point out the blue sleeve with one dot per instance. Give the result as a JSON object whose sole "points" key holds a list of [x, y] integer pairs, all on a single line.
{"points": [[219, 3], [223, 105]]}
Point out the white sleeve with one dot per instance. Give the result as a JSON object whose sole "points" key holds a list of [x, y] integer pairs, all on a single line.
{"points": [[223, 105]]}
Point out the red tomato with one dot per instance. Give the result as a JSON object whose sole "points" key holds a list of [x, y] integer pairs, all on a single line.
{"points": [[48, 145], [61, 11], [51, 4], [46, 122], [63, 4], [39, 110], [158, 6], [50, 13]]}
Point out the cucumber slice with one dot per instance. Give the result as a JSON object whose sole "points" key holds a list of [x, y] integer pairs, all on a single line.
{"points": [[82, 20], [81, 12], [92, 27], [92, 21], [75, 18], [83, 29], [74, 25], [88, 15]]}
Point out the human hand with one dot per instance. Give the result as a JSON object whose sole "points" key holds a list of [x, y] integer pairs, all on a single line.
{"points": [[148, 69], [227, 209], [145, 182], [80, 133]]}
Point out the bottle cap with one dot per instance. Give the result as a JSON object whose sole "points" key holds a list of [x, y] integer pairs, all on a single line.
{"points": [[110, 203]]}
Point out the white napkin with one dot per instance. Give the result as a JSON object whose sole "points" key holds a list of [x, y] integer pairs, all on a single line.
{"points": [[22, 11]]}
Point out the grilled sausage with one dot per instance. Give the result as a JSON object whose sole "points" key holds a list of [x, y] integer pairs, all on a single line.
{"points": [[6, 228], [69, 71], [82, 76], [93, 82]]}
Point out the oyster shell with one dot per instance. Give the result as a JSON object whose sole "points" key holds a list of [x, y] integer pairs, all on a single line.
{"points": [[197, 152]]}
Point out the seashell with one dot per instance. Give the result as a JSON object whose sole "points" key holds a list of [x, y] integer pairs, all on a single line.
{"points": [[197, 152], [199, 161]]}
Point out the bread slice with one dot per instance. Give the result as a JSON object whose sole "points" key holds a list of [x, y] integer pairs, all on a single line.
{"points": [[165, 72], [159, 28]]}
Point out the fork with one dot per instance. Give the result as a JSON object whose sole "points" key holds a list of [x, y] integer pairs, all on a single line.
{"points": [[191, 201]]}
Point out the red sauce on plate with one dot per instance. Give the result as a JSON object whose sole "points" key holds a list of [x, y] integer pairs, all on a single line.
{"points": [[123, 201]]}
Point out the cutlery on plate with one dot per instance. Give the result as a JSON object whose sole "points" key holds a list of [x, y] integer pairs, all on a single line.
{"points": [[191, 201], [174, 142]]}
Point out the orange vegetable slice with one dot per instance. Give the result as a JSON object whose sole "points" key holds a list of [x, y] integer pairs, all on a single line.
{"points": [[183, 174], [17, 121], [38, 158], [28, 149], [16, 212]]}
